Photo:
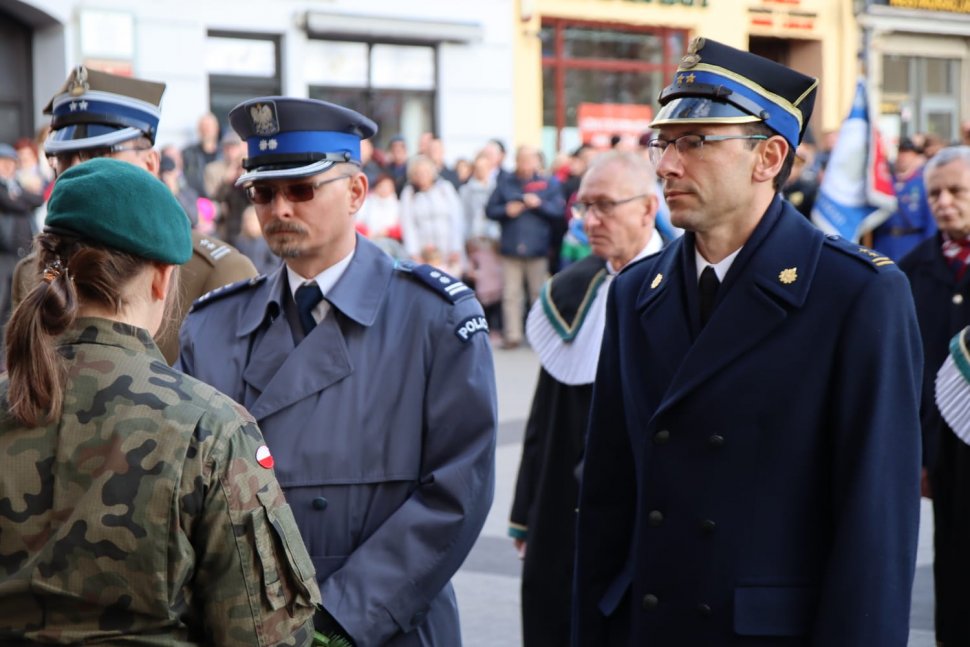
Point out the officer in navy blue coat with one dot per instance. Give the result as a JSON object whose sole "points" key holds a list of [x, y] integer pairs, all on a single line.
{"points": [[753, 457], [373, 382]]}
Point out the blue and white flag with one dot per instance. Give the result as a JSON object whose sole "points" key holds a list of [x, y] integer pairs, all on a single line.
{"points": [[856, 194]]}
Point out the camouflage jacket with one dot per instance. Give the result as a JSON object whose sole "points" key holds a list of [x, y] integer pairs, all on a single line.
{"points": [[144, 515]]}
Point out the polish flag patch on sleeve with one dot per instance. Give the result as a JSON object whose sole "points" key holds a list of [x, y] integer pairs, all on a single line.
{"points": [[264, 458]]}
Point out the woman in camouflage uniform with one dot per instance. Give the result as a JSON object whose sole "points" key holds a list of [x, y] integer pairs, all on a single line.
{"points": [[137, 504]]}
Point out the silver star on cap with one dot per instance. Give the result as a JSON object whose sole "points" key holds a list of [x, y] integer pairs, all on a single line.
{"points": [[73, 106], [84, 105], [272, 144]]}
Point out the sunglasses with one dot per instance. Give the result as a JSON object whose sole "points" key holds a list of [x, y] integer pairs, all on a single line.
{"points": [[298, 192]]}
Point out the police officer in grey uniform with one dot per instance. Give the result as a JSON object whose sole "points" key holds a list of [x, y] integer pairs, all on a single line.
{"points": [[372, 380]]}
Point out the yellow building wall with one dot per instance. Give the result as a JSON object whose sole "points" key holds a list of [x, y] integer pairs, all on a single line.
{"points": [[833, 32]]}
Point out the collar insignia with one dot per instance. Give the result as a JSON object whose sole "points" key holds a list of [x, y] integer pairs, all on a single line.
{"points": [[788, 276], [656, 281]]}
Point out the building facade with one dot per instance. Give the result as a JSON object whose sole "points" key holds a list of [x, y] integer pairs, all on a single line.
{"points": [[427, 65], [918, 57], [589, 66]]}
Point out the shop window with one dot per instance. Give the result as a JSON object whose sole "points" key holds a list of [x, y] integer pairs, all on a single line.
{"points": [[240, 67], [601, 63], [920, 95], [395, 85]]}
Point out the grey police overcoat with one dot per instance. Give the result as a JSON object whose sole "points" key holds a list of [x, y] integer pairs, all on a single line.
{"points": [[382, 425]]}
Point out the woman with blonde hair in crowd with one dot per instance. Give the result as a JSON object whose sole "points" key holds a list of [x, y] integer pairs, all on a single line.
{"points": [[431, 217]]}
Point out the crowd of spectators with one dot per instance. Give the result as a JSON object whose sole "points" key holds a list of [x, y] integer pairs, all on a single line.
{"points": [[503, 229]]}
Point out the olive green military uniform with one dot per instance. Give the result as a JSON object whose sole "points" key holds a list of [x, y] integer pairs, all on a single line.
{"points": [[147, 514], [213, 265]]}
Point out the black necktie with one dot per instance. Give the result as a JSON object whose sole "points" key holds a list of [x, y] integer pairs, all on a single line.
{"points": [[307, 297], [707, 291]]}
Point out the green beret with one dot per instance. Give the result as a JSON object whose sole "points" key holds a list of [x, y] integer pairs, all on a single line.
{"points": [[121, 206]]}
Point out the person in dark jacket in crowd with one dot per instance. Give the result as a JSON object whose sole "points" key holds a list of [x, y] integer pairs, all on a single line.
{"points": [[527, 204], [937, 271], [16, 227]]}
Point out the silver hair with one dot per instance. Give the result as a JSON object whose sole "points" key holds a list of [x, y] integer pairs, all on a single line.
{"points": [[945, 156], [639, 168]]}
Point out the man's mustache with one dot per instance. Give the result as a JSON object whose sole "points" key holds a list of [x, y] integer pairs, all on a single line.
{"points": [[283, 228]]}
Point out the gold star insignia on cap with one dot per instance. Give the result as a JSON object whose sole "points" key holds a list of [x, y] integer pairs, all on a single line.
{"points": [[788, 276], [691, 78], [656, 281]]}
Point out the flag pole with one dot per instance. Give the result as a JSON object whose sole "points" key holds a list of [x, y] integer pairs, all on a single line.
{"points": [[861, 9]]}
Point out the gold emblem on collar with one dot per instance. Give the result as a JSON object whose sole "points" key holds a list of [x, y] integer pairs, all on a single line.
{"points": [[788, 276], [656, 281]]}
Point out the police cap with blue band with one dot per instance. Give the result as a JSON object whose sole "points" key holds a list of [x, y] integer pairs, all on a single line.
{"points": [[288, 137], [99, 110], [717, 84]]}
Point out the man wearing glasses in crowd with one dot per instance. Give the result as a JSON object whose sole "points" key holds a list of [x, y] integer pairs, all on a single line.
{"points": [[617, 204], [372, 382], [96, 114], [753, 458]]}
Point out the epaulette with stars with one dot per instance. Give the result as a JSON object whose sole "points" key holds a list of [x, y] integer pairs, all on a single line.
{"points": [[224, 291], [870, 258], [444, 284]]}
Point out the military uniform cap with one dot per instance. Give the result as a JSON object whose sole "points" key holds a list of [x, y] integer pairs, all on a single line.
{"points": [[292, 138], [717, 84], [95, 109], [121, 206]]}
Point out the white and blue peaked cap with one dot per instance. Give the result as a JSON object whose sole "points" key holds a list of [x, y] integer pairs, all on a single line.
{"points": [[98, 110], [288, 137]]}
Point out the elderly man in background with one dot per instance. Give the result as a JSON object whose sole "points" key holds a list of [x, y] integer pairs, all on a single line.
{"points": [[937, 271], [617, 203]]}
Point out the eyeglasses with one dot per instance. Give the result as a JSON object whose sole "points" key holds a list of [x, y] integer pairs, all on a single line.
{"points": [[604, 208], [298, 192], [138, 148], [63, 161], [688, 144]]}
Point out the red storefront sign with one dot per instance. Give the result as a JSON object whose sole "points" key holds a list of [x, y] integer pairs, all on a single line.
{"points": [[598, 122]]}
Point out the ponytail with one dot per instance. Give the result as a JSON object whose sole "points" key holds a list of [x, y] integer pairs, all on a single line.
{"points": [[36, 390], [70, 271]]}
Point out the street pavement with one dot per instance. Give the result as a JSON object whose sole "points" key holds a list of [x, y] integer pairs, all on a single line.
{"points": [[487, 585]]}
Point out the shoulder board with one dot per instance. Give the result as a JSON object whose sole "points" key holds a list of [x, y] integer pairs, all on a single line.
{"points": [[212, 250], [870, 258], [226, 290], [450, 288]]}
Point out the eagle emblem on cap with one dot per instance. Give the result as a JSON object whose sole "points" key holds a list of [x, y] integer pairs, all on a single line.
{"points": [[264, 118], [692, 57], [79, 83]]}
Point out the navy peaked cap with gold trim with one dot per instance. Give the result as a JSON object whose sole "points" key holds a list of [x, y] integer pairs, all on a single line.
{"points": [[95, 109], [717, 84], [288, 137]]}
